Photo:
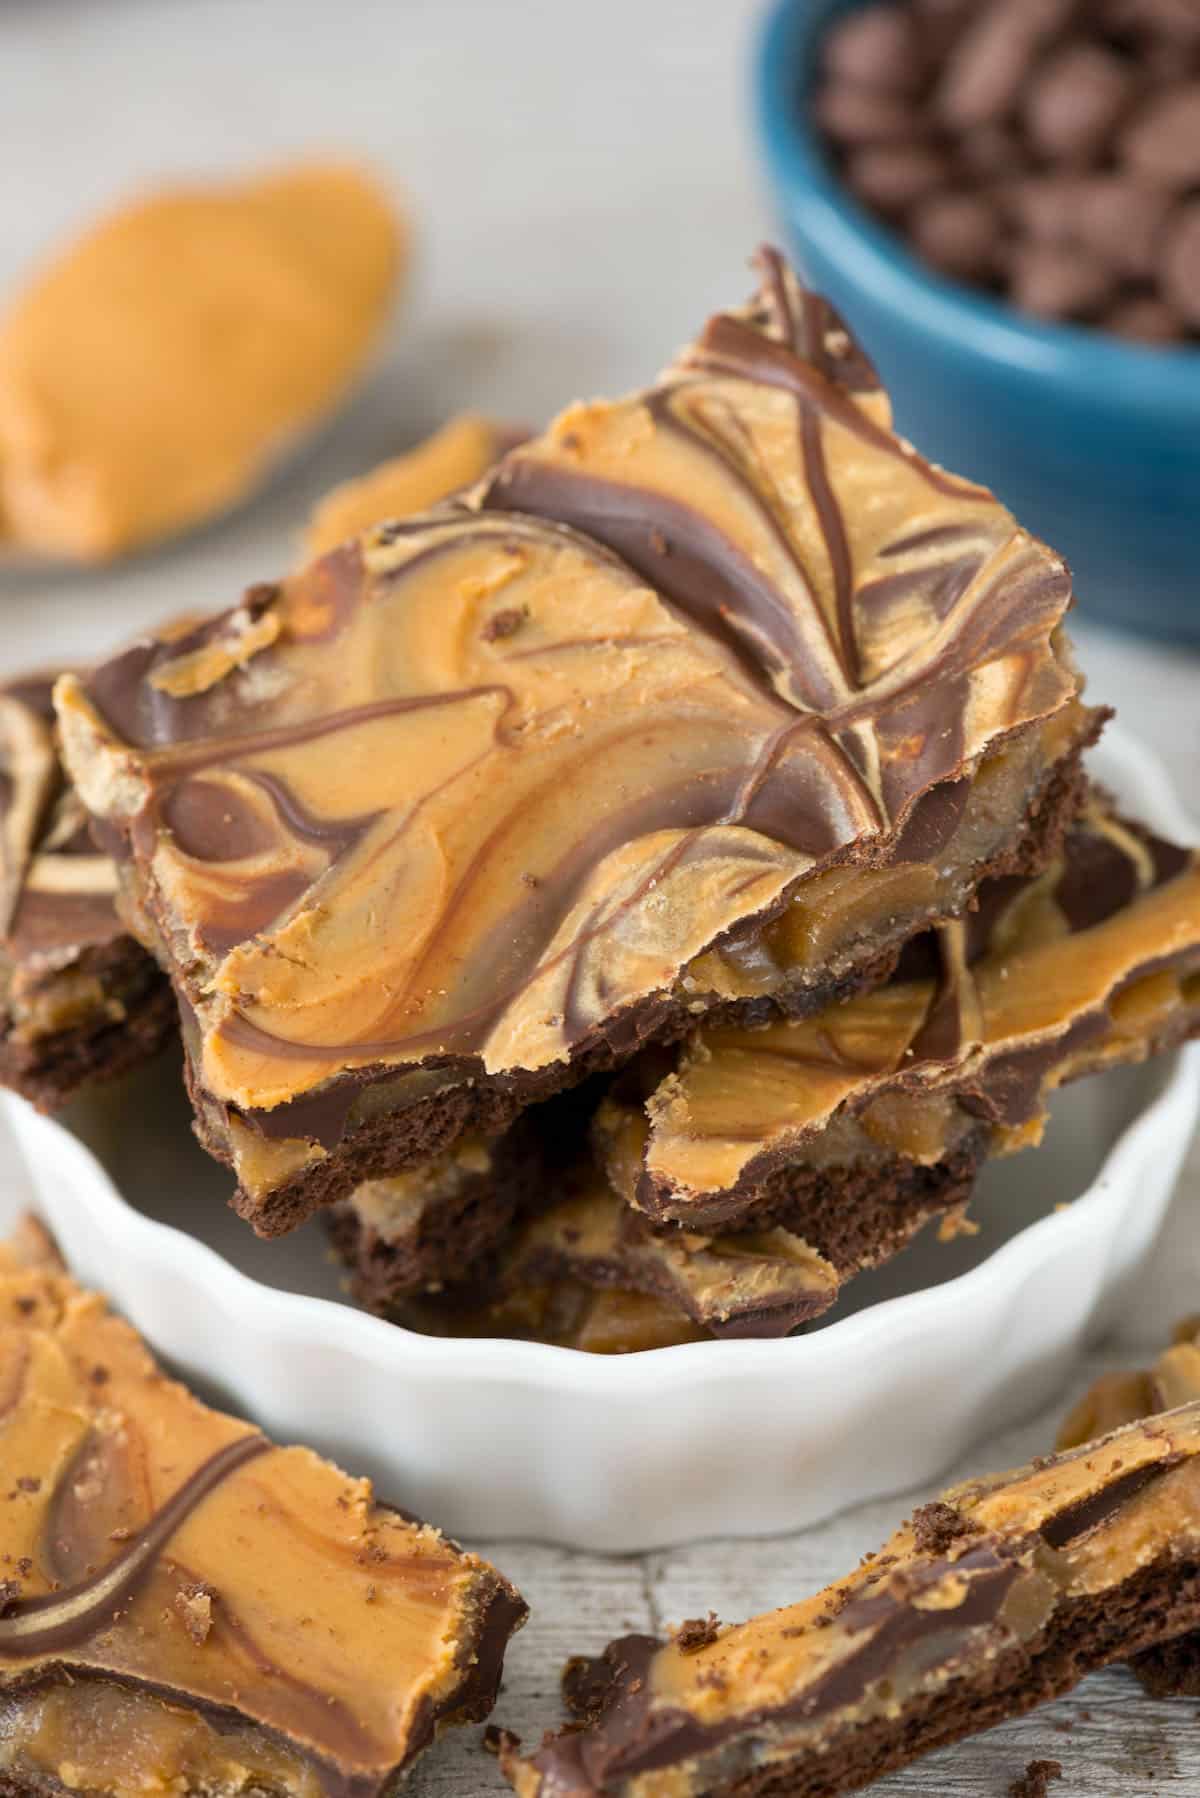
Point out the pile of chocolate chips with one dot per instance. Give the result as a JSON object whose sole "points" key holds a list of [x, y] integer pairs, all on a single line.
{"points": [[1045, 150]]}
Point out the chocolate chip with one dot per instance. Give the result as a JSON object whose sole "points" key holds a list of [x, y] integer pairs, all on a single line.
{"points": [[1121, 219], [1181, 263], [876, 47], [986, 70], [1075, 100], [1163, 139], [1144, 320], [894, 177], [958, 233], [991, 151], [855, 115], [1059, 283], [1044, 207]]}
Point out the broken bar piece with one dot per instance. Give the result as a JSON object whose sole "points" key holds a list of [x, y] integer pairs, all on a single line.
{"points": [[80, 1000], [485, 801], [994, 1599], [855, 1126], [1116, 1399], [185, 1607]]}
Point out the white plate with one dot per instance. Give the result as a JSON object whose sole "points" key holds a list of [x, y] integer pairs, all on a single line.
{"points": [[498, 1438]]}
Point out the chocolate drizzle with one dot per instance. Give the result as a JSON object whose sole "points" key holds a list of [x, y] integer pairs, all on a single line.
{"points": [[57, 1621]]}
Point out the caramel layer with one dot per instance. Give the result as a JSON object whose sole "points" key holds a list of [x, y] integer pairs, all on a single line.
{"points": [[1004, 1591], [479, 792], [1094, 962], [181, 1597]]}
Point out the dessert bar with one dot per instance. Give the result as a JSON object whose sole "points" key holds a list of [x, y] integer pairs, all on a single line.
{"points": [[999, 1596], [738, 695], [855, 1125], [79, 999], [186, 1607]]}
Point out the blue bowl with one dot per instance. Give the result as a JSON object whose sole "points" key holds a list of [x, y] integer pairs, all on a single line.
{"points": [[1094, 443]]}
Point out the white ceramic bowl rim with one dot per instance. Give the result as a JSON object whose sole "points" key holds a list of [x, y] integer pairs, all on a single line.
{"points": [[488, 1361]]}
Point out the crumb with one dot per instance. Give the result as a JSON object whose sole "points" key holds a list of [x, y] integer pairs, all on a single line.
{"points": [[696, 1633], [194, 1605], [10, 1591], [499, 1741], [937, 1526], [371, 1594], [713, 1679], [1035, 1781], [24, 1566], [99, 1376], [505, 623], [530, 880], [26, 1306], [28, 1483]]}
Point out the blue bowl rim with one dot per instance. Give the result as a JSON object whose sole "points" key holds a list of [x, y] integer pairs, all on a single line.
{"points": [[1118, 374]]}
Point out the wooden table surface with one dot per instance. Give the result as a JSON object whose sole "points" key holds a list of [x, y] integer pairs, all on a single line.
{"points": [[584, 187]]}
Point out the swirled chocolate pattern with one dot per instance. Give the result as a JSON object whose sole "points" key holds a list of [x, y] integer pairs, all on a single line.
{"points": [[480, 792], [79, 999], [184, 1606], [996, 1597], [1092, 963]]}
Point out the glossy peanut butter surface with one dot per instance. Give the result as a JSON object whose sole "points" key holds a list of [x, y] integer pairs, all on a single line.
{"points": [[482, 783]]}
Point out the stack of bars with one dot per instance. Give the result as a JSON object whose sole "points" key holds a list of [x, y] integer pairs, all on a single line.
{"points": [[631, 897]]}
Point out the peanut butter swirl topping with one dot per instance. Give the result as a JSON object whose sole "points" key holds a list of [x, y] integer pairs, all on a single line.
{"points": [[480, 788], [1003, 1592], [56, 890], [164, 1563], [1095, 961]]}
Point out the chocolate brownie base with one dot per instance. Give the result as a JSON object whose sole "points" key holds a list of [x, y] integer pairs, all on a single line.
{"points": [[996, 1598], [50, 1070], [410, 1135]]}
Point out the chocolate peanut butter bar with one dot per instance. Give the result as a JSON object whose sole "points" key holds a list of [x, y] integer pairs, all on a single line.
{"points": [[80, 1000], [1001, 1595], [563, 1313], [708, 698], [854, 1126], [185, 1607], [1113, 1401]]}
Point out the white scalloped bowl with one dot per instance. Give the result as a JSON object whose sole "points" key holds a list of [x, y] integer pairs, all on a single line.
{"points": [[499, 1438]]}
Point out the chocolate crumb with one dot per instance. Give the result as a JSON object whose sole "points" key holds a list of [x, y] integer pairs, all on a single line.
{"points": [[505, 623], [696, 1633], [24, 1566], [100, 1376], [530, 880], [938, 1526], [194, 1605], [1035, 1781], [499, 1741], [26, 1306], [27, 1483], [371, 1594]]}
